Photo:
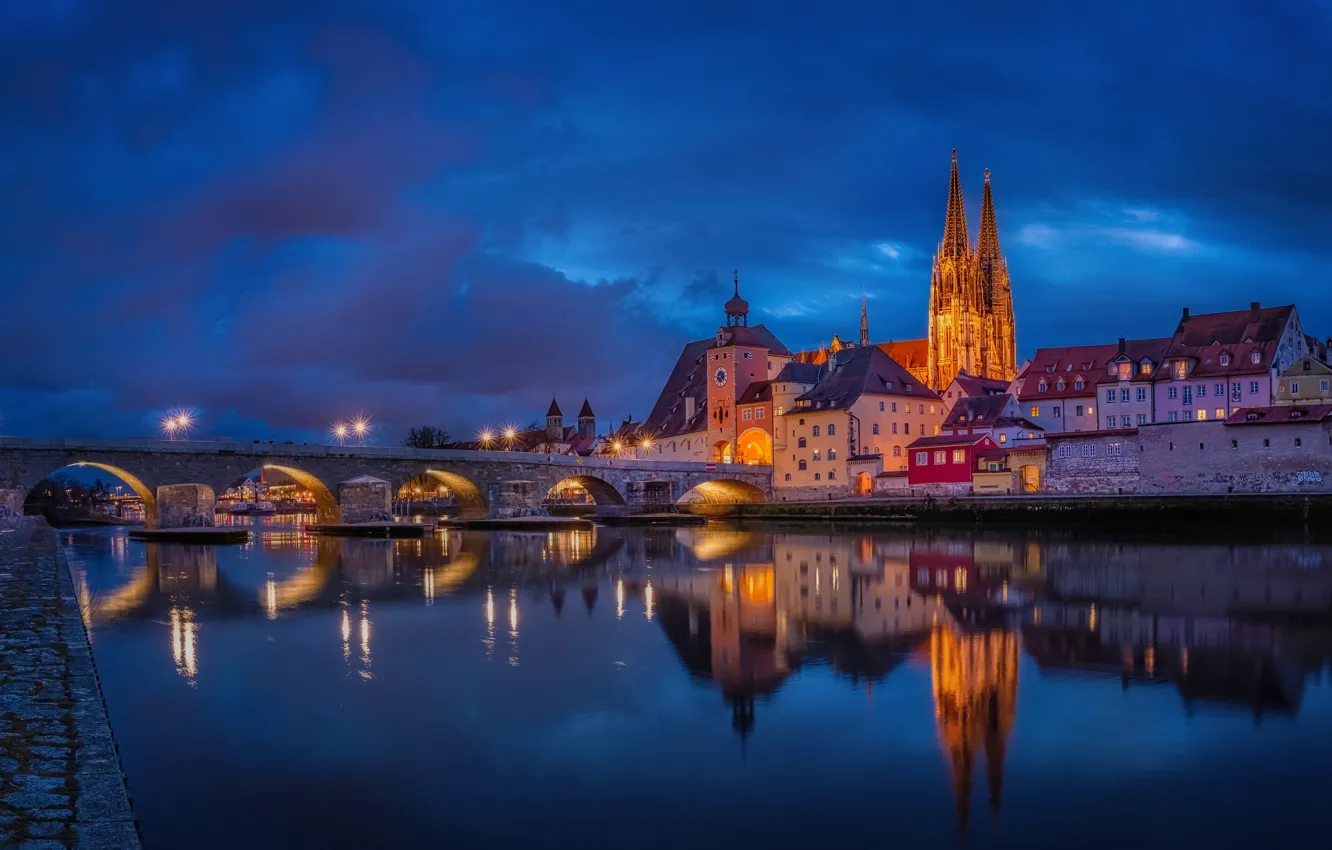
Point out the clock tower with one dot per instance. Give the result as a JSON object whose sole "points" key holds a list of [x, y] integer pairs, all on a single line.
{"points": [[737, 358]]}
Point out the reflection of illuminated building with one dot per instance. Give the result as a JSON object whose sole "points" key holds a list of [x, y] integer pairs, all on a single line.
{"points": [[184, 643], [975, 701]]}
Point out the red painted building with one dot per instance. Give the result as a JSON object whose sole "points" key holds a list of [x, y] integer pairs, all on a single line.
{"points": [[951, 458]]}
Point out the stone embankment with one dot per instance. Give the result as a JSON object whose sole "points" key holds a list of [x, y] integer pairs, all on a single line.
{"points": [[61, 784]]}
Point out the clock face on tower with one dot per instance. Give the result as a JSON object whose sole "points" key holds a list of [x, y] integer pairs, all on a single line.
{"points": [[720, 377]]}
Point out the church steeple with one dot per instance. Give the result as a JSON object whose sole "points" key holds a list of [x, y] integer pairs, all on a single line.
{"points": [[988, 246], [864, 323], [955, 243]]}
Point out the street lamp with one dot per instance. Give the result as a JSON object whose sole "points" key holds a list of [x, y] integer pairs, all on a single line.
{"points": [[486, 438], [616, 447], [361, 428], [509, 433], [340, 432]]}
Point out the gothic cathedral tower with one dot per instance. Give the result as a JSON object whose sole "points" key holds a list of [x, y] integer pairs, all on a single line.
{"points": [[971, 302]]}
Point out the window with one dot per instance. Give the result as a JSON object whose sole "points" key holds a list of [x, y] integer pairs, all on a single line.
{"points": [[1181, 369], [1146, 367], [875, 427], [1079, 409], [816, 430], [1188, 416], [1235, 391], [788, 476], [1255, 357], [1065, 450], [818, 477], [1003, 438], [802, 422], [1294, 386], [1225, 359], [1079, 383], [906, 428], [1125, 421], [1202, 391], [1042, 386], [1253, 387], [1322, 385], [1142, 419], [1089, 450], [1188, 395], [801, 466], [800, 444], [1234, 444], [1219, 390], [922, 410], [832, 454], [780, 410], [922, 458], [818, 454], [959, 455], [1123, 394], [759, 413], [936, 430], [1057, 410], [1110, 396], [940, 456], [894, 407], [1125, 371], [1035, 410], [1267, 444], [894, 427], [1173, 417], [1173, 392], [832, 476], [749, 356], [881, 407], [1113, 450], [746, 414], [1109, 421], [1297, 442], [897, 451], [1060, 385], [1142, 393], [1220, 413], [832, 430], [1202, 414]]}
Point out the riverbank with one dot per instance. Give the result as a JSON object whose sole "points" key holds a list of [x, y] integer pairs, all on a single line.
{"points": [[63, 785], [1138, 511]]}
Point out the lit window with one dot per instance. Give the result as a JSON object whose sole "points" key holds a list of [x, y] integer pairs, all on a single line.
{"points": [[1220, 413], [1146, 367], [940, 456], [832, 455], [1003, 438], [818, 454], [1255, 357], [1181, 369], [922, 458], [1202, 415], [1035, 410], [959, 455], [1125, 371]]}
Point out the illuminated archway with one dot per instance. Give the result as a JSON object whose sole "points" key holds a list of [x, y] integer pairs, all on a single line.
{"points": [[471, 502], [602, 493], [721, 452], [723, 492], [327, 511], [754, 447], [143, 491], [864, 484]]}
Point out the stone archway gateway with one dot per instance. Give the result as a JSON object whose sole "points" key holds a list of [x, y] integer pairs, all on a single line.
{"points": [[754, 447], [721, 452]]}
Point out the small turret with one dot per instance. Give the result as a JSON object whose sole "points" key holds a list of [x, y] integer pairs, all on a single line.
{"points": [[737, 308], [864, 323], [554, 421], [587, 421]]}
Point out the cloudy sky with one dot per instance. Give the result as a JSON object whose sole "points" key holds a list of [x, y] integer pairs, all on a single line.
{"points": [[283, 213]]}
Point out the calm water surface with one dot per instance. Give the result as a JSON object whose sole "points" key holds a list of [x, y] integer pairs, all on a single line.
{"points": [[715, 688]]}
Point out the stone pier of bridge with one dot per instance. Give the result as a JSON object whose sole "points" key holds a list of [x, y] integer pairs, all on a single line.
{"points": [[178, 480]]}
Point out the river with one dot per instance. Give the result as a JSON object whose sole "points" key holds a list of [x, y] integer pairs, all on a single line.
{"points": [[714, 687]]}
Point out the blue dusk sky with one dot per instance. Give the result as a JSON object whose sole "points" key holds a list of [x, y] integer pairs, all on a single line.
{"points": [[278, 214]]}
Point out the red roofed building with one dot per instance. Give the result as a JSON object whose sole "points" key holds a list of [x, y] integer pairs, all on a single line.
{"points": [[951, 459], [1057, 389]]}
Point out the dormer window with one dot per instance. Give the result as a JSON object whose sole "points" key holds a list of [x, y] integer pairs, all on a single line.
{"points": [[1248, 340], [1110, 370], [1296, 414], [1224, 359], [1042, 386], [1181, 368], [1255, 357], [1086, 367], [1146, 367], [1060, 386], [1079, 384], [1252, 417], [1050, 368]]}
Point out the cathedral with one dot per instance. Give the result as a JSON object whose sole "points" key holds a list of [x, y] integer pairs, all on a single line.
{"points": [[971, 300]]}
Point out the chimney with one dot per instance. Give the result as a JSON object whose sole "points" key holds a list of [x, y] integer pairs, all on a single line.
{"points": [[1253, 311], [1186, 314], [1254, 305], [954, 429], [689, 408], [969, 429], [1121, 347]]}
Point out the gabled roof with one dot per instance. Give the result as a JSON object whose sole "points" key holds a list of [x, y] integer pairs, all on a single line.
{"points": [[860, 370], [800, 373], [1207, 360], [943, 440], [1135, 351], [756, 392], [974, 386], [1286, 414], [1087, 362], [755, 337], [908, 353], [1315, 367], [978, 410], [1260, 324]]}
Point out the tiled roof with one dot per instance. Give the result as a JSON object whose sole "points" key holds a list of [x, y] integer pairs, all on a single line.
{"points": [[554, 409], [1208, 360], [974, 386], [1260, 324], [1285, 414], [689, 379], [1087, 362], [983, 409], [961, 439], [756, 392], [585, 412], [860, 370], [1138, 350], [757, 337], [907, 353], [800, 373]]}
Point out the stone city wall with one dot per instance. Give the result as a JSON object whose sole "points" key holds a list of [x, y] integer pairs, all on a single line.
{"points": [[1212, 457], [1091, 463]]}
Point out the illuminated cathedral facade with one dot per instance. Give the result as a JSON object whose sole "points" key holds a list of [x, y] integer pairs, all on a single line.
{"points": [[971, 299]]}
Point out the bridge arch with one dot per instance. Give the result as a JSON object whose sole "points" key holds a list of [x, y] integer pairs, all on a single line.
{"points": [[145, 493], [723, 491], [327, 510], [601, 491], [471, 501]]}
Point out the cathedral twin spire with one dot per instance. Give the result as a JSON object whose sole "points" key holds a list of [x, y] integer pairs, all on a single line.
{"points": [[956, 240]]}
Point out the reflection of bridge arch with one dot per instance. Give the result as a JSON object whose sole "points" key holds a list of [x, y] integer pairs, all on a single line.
{"points": [[143, 491], [723, 491], [326, 504], [471, 501], [602, 492]]}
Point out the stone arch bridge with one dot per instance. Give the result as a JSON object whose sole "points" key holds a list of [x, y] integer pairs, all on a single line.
{"points": [[483, 482]]}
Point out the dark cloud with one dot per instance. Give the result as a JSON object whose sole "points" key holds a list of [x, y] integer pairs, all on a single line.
{"points": [[285, 213]]}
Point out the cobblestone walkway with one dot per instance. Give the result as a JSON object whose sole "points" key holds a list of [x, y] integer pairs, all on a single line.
{"points": [[61, 785]]}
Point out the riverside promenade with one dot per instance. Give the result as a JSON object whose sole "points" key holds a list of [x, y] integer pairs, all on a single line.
{"points": [[61, 785]]}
